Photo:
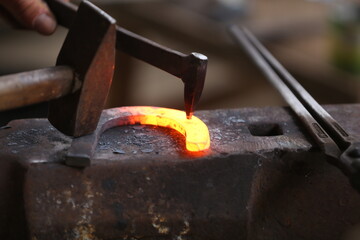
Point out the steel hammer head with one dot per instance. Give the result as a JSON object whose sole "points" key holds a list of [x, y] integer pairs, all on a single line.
{"points": [[194, 79], [89, 48]]}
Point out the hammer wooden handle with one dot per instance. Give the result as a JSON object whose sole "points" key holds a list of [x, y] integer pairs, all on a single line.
{"points": [[22, 89]]}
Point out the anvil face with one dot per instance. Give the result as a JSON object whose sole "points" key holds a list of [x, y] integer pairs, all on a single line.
{"points": [[263, 178]]}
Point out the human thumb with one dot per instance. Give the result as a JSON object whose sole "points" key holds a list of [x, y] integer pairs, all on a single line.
{"points": [[33, 14]]}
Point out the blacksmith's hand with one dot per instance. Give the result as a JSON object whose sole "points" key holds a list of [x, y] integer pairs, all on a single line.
{"points": [[31, 14]]}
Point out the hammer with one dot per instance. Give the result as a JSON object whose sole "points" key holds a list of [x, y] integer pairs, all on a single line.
{"points": [[79, 83], [81, 95], [191, 68]]}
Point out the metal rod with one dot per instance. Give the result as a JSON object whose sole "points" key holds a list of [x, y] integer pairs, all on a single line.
{"points": [[343, 149], [331, 126], [321, 137], [139, 47]]}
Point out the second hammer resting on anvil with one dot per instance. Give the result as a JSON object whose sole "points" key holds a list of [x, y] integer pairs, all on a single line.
{"points": [[81, 80]]}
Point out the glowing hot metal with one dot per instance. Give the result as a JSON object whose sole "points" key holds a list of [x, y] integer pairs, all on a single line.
{"points": [[195, 131]]}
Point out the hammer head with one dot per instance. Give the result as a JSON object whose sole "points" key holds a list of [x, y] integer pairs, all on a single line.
{"points": [[89, 48], [194, 79]]}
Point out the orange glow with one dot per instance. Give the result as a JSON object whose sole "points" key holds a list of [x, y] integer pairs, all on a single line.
{"points": [[195, 131]]}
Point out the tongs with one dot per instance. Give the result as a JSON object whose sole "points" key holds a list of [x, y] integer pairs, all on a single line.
{"points": [[342, 149]]}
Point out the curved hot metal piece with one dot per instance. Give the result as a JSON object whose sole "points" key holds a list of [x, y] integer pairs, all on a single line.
{"points": [[194, 130]]}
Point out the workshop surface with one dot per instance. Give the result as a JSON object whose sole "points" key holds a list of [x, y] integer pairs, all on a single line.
{"points": [[261, 179]]}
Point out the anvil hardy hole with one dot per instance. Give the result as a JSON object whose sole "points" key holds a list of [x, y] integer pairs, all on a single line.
{"points": [[265, 129]]}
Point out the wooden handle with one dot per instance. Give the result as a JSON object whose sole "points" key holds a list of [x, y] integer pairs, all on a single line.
{"points": [[26, 88]]}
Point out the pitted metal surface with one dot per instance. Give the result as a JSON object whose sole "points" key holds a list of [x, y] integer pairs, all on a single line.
{"points": [[142, 185], [229, 132]]}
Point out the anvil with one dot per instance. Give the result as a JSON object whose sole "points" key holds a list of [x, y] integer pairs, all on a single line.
{"points": [[264, 178]]}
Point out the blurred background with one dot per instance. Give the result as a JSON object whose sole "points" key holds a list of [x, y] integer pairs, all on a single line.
{"points": [[317, 41]]}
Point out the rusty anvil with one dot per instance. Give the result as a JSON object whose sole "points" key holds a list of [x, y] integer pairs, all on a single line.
{"points": [[78, 86], [264, 179]]}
